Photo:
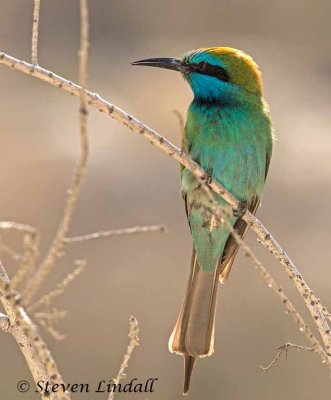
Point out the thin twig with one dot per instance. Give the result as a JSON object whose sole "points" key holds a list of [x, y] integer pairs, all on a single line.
{"points": [[283, 349], [57, 246], [134, 342], [263, 234], [48, 320], [60, 287], [35, 31], [116, 232], [54, 314], [296, 316], [48, 325], [31, 241], [4, 248], [181, 120]]}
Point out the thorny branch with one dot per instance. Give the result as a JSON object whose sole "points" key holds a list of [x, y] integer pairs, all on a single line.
{"points": [[311, 301]]}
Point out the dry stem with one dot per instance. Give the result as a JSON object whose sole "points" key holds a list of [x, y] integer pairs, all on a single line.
{"points": [[181, 121], [134, 342], [4, 248], [283, 349], [35, 30], [116, 232]]}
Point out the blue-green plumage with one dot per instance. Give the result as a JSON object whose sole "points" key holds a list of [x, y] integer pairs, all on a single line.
{"points": [[231, 142]]}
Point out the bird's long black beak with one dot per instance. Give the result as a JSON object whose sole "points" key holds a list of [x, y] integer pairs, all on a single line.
{"points": [[168, 63]]}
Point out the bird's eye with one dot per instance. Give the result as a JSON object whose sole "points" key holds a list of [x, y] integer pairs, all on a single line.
{"points": [[202, 66]]}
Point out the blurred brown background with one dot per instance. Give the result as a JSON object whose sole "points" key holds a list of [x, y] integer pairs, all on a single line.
{"points": [[129, 182]]}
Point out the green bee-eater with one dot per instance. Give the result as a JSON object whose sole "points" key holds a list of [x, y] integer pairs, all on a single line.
{"points": [[229, 133]]}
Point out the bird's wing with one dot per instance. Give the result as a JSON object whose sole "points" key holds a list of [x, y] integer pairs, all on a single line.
{"points": [[232, 247], [186, 209]]}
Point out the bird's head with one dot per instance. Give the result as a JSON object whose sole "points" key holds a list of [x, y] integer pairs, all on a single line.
{"points": [[215, 73]]}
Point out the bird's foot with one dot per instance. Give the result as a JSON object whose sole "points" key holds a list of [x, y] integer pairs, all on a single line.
{"points": [[207, 178], [240, 211]]}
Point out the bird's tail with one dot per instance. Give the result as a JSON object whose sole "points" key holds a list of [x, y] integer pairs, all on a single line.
{"points": [[193, 334]]}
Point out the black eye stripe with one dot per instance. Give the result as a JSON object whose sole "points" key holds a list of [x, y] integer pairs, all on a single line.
{"points": [[209, 69]]}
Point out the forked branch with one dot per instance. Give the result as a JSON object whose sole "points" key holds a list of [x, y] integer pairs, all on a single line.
{"points": [[281, 350]]}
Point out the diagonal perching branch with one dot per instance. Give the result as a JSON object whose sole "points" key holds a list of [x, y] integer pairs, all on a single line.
{"points": [[311, 301], [223, 218]]}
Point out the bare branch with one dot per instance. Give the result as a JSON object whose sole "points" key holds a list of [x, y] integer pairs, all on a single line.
{"points": [[34, 349], [48, 320], [35, 30], [283, 349], [311, 301], [116, 232], [60, 287], [134, 342], [57, 246]]}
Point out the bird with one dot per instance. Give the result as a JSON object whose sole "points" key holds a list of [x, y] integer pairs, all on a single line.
{"points": [[229, 133]]}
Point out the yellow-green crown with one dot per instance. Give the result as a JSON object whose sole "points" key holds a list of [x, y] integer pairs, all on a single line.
{"points": [[239, 66]]}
